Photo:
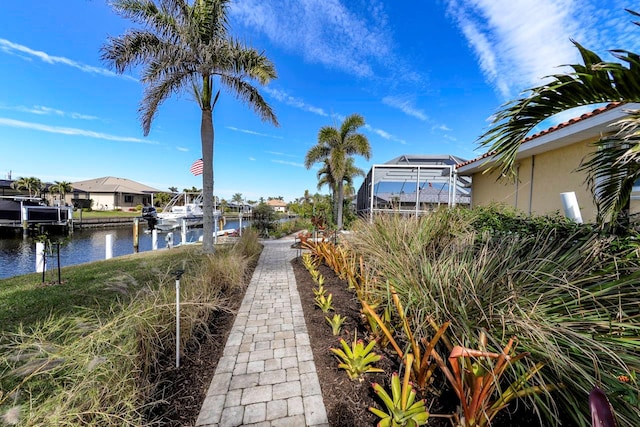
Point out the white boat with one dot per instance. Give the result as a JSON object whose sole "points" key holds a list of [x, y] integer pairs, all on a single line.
{"points": [[190, 210]]}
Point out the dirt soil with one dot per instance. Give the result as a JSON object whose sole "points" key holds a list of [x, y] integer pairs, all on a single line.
{"points": [[346, 401]]}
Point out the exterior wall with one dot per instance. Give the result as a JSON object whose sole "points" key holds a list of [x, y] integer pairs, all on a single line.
{"points": [[102, 201], [554, 172]]}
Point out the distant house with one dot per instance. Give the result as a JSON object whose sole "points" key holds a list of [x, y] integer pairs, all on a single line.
{"points": [[546, 166], [277, 205], [109, 193]]}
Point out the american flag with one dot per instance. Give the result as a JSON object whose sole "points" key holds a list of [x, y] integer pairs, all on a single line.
{"points": [[196, 167]]}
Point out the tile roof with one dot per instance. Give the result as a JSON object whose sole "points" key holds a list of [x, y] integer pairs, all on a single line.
{"points": [[569, 122]]}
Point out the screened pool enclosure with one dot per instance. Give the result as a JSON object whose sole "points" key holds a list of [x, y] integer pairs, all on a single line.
{"points": [[413, 184]]}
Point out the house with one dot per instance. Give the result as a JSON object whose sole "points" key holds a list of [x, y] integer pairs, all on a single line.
{"points": [[413, 184], [277, 205], [546, 166], [110, 193]]}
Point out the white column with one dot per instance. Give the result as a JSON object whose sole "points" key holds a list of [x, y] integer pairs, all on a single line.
{"points": [[108, 246], [40, 260], [154, 240], [169, 240], [183, 231], [571, 207]]}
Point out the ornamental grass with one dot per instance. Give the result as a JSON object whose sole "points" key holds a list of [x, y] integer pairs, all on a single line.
{"points": [[572, 300], [105, 367]]}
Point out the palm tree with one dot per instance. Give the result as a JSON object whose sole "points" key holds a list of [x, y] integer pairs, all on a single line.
{"points": [[187, 48], [32, 184], [237, 199], [62, 188], [336, 146], [613, 165], [325, 178]]}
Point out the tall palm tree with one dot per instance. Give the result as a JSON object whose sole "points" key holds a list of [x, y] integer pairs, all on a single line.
{"points": [[186, 46], [336, 147], [32, 184], [61, 188], [325, 178], [613, 163]]}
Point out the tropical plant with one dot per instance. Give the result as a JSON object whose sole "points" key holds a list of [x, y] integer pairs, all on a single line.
{"points": [[61, 188], [357, 359], [32, 184], [324, 302], [475, 376], [336, 323], [185, 47], [612, 166], [264, 219], [336, 146], [601, 410], [402, 406], [571, 305], [326, 178]]}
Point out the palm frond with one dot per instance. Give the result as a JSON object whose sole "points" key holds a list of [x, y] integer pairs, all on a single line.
{"points": [[250, 96], [592, 82]]}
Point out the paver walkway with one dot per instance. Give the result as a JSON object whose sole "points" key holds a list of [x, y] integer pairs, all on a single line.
{"points": [[266, 376]]}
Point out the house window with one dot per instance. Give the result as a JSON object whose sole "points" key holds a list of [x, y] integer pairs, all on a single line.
{"points": [[128, 199]]}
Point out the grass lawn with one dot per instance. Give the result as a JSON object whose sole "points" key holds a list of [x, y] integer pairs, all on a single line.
{"points": [[105, 214], [97, 285]]}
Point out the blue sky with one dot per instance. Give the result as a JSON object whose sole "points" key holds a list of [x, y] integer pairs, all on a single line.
{"points": [[426, 76]]}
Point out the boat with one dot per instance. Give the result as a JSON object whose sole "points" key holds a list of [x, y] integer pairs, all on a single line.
{"points": [[183, 207]]}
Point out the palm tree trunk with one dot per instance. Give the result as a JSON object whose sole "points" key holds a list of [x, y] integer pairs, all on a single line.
{"points": [[339, 202], [207, 137]]}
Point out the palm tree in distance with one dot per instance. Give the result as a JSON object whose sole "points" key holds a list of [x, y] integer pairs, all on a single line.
{"points": [[613, 166], [325, 178], [237, 199], [61, 188], [32, 184], [186, 47], [336, 146]]}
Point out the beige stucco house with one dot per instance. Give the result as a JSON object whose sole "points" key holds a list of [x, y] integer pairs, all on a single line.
{"points": [[110, 193], [546, 166], [277, 205]]}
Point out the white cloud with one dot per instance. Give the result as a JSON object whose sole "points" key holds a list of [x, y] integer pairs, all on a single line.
{"points": [[42, 110], [277, 153], [250, 132], [442, 127], [284, 97], [326, 32], [384, 134], [182, 149], [517, 43], [405, 105], [18, 49], [252, 159], [284, 162], [70, 131]]}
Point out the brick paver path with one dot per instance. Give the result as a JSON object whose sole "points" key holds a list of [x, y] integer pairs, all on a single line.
{"points": [[267, 376]]}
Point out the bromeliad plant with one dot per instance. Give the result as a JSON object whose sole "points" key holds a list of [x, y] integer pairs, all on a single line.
{"points": [[475, 378], [336, 323], [402, 408], [357, 359], [422, 366], [324, 302]]}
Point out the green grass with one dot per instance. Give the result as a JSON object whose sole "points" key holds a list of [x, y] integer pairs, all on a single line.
{"points": [[105, 214], [97, 349], [98, 285]]}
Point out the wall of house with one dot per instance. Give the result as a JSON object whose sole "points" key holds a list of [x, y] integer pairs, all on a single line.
{"points": [[538, 193]]}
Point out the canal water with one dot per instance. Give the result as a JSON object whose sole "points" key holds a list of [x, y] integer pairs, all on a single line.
{"points": [[18, 255]]}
